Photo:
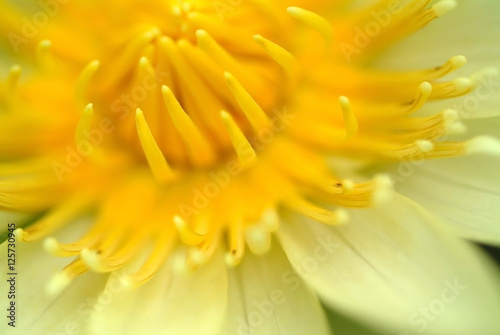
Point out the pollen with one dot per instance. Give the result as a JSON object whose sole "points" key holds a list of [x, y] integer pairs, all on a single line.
{"points": [[178, 123]]}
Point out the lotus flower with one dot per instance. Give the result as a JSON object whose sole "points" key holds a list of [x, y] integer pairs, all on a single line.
{"points": [[242, 166]]}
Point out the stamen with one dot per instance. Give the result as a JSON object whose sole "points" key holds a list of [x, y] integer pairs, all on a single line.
{"points": [[270, 220], [350, 121], [316, 213], [187, 235], [55, 219], [335, 187], [258, 239], [12, 79], [83, 127], [115, 259], [157, 162], [243, 148], [224, 59], [278, 53], [236, 244], [425, 146], [423, 94], [313, 20], [43, 53], [203, 254], [83, 82], [176, 10], [53, 247], [192, 135], [452, 89], [443, 7], [91, 259], [257, 117], [62, 279], [454, 63], [162, 248]]}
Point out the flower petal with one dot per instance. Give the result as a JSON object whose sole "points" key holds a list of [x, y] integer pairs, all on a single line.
{"points": [[394, 268], [464, 190], [267, 297], [38, 313], [170, 303], [466, 35]]}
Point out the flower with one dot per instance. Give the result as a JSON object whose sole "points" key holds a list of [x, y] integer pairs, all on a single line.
{"points": [[169, 152]]}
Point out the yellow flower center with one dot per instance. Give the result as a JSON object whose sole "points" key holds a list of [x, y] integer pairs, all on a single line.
{"points": [[194, 122]]}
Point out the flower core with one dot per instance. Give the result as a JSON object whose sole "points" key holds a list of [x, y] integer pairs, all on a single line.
{"points": [[194, 122]]}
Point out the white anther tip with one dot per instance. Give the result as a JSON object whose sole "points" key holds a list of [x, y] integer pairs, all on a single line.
{"points": [[348, 185], [444, 7], [270, 219], [19, 232], [426, 87], [258, 240], [293, 10], [91, 259], [458, 61], [51, 245], [344, 101], [231, 259], [200, 33], [425, 146]]}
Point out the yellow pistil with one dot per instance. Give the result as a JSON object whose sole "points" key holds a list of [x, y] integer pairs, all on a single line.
{"points": [[178, 126]]}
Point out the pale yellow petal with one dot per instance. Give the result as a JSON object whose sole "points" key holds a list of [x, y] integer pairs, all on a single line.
{"points": [[170, 303], [266, 297], [394, 268]]}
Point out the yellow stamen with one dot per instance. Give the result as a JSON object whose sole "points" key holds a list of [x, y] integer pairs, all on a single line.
{"points": [[13, 78], [187, 235], [258, 239], [162, 249], [193, 137], [43, 53], [243, 148], [278, 53], [55, 219], [62, 279], [84, 81], [307, 208], [83, 127], [315, 21], [350, 122], [157, 162], [236, 244], [253, 111]]}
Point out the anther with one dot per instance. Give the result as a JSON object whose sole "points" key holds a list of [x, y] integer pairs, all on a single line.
{"points": [[157, 162], [350, 121]]}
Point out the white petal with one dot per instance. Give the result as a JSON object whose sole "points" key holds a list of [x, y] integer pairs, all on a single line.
{"points": [[394, 268], [464, 190], [472, 30], [38, 313], [170, 303], [268, 298]]}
